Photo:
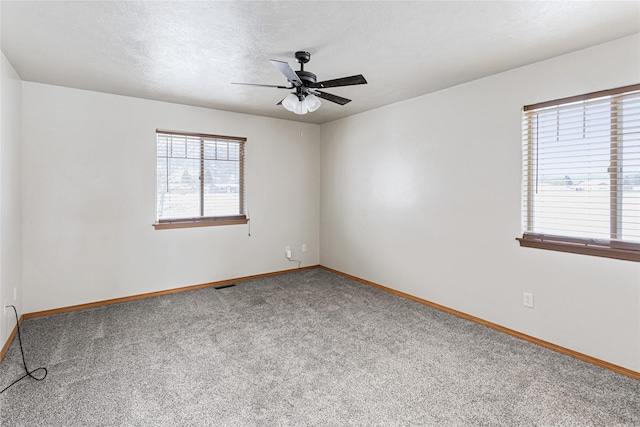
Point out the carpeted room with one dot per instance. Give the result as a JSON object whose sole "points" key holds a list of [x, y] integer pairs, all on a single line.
{"points": [[303, 348], [386, 195]]}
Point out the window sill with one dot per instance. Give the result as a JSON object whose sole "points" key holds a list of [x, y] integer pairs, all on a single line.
{"points": [[209, 222], [627, 252]]}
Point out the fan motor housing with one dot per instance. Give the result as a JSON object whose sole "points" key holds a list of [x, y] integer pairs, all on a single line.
{"points": [[306, 77]]}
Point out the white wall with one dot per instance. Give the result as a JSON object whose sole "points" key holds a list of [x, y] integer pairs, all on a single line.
{"points": [[424, 197], [89, 198], [10, 198]]}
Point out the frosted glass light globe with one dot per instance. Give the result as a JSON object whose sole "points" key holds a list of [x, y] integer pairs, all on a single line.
{"points": [[313, 103], [290, 102], [301, 107]]}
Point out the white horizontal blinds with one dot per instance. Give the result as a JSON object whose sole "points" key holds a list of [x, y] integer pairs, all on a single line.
{"points": [[178, 170], [222, 166], [199, 176], [581, 165], [628, 162]]}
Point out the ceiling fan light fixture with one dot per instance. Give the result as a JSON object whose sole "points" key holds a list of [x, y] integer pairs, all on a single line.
{"points": [[301, 104]]}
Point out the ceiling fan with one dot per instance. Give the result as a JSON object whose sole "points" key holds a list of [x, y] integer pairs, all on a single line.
{"points": [[305, 98]]}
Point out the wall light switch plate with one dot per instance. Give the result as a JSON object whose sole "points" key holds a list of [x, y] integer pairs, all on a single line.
{"points": [[304, 247], [527, 299]]}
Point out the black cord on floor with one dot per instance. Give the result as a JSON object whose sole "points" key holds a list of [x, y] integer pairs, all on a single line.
{"points": [[28, 373]]}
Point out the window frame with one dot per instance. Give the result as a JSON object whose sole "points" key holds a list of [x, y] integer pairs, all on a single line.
{"points": [[201, 220], [608, 248]]}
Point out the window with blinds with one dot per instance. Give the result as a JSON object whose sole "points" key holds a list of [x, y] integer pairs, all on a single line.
{"points": [[581, 174], [200, 180]]}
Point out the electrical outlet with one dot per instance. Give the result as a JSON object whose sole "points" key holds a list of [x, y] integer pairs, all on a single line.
{"points": [[287, 252], [15, 294], [4, 307], [527, 299], [304, 247]]}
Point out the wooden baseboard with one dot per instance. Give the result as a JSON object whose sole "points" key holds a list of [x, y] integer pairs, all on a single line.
{"points": [[157, 294], [10, 339], [585, 358]]}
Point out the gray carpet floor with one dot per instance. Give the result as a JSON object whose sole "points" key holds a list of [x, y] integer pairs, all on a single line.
{"points": [[308, 348]]}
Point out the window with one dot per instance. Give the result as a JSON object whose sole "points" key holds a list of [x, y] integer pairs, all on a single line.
{"points": [[581, 174], [200, 180]]}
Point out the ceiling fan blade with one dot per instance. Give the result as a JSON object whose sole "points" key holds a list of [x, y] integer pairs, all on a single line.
{"points": [[344, 81], [260, 85], [288, 72], [333, 98]]}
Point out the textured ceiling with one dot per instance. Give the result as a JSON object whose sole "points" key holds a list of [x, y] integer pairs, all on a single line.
{"points": [[190, 52]]}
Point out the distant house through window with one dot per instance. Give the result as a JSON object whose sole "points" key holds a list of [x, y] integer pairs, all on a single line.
{"points": [[581, 174], [200, 180]]}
